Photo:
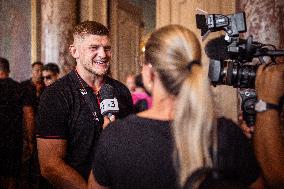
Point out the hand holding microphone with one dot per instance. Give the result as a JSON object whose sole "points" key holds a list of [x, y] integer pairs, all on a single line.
{"points": [[109, 104]]}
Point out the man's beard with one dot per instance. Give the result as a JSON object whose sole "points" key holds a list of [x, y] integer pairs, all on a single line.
{"points": [[98, 73]]}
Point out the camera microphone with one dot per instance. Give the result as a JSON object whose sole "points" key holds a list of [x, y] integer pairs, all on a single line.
{"points": [[109, 104], [216, 48]]}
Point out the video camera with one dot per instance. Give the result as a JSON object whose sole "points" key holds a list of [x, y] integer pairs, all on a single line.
{"points": [[233, 66]]}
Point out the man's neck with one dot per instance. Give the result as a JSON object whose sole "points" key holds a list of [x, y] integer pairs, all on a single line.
{"points": [[94, 81]]}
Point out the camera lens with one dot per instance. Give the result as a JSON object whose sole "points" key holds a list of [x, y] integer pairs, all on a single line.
{"points": [[246, 76], [232, 73]]}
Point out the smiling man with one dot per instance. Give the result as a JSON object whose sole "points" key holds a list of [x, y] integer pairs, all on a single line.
{"points": [[69, 121]]}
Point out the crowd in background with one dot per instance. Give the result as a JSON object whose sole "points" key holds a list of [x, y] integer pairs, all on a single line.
{"points": [[19, 106]]}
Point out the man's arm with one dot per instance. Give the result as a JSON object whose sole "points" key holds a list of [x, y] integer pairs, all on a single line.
{"points": [[29, 127], [268, 137], [52, 135], [51, 154]]}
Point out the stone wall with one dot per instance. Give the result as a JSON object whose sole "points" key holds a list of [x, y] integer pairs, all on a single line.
{"points": [[15, 36]]}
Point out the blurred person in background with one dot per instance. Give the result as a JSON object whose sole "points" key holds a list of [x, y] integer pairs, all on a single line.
{"points": [[50, 73], [16, 119], [130, 82], [34, 86], [141, 99]]}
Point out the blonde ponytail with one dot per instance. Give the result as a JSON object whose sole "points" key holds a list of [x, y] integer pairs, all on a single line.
{"points": [[192, 124]]}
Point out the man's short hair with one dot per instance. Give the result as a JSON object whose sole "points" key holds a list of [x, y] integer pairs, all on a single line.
{"points": [[4, 65], [51, 67], [90, 27], [37, 63]]}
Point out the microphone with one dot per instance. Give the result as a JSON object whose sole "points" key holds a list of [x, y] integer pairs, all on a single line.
{"points": [[216, 48], [109, 104], [220, 49]]}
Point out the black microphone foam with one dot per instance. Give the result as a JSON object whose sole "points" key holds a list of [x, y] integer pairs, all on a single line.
{"points": [[109, 104], [106, 92], [216, 48]]}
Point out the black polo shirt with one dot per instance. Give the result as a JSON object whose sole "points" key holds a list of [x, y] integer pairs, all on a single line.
{"points": [[64, 114]]}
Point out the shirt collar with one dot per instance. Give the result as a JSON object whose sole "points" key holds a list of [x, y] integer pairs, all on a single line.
{"points": [[77, 78]]}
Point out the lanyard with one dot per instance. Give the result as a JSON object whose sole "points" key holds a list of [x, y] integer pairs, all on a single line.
{"points": [[87, 97]]}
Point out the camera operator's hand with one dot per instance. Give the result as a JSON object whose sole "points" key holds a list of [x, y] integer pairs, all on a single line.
{"points": [[247, 131], [270, 82]]}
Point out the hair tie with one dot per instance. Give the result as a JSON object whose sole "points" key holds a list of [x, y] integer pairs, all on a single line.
{"points": [[191, 63]]}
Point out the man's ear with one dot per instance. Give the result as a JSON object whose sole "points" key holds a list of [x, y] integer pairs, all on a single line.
{"points": [[74, 51]]}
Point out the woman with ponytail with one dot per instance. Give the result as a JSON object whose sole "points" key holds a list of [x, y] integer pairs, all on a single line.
{"points": [[160, 147], [174, 55]]}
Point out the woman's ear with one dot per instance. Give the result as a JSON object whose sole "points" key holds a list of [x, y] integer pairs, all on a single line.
{"points": [[152, 75], [148, 77], [74, 51]]}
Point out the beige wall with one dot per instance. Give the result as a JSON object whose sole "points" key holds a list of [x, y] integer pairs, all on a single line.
{"points": [[126, 31], [94, 10], [183, 12]]}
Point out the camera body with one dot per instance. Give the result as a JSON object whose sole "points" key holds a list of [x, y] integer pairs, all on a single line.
{"points": [[233, 24], [232, 66], [249, 100]]}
